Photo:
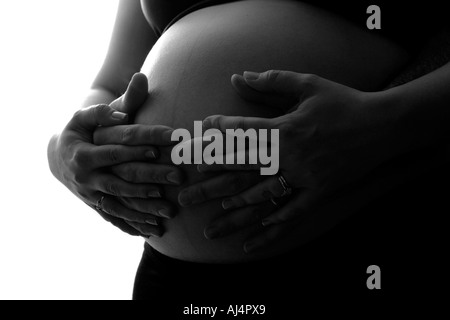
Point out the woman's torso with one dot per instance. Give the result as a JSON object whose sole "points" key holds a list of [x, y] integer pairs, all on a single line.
{"points": [[189, 72], [405, 22]]}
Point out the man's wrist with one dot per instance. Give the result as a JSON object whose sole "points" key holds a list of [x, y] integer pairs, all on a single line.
{"points": [[390, 112]]}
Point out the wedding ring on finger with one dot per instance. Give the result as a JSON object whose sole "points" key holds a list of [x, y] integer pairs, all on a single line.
{"points": [[274, 201], [99, 204], [287, 190]]}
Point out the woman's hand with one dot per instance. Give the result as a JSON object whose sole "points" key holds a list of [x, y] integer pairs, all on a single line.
{"points": [[83, 167], [331, 137]]}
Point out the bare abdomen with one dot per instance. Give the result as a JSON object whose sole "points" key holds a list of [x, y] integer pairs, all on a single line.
{"points": [[189, 71]]}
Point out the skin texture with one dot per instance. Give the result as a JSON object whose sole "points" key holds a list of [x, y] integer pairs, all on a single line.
{"points": [[189, 72], [421, 109]]}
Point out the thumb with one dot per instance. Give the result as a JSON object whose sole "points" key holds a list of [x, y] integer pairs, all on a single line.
{"points": [[88, 119], [135, 95], [275, 81], [282, 102]]}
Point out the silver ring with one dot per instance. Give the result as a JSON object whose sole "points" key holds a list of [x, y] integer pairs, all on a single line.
{"points": [[99, 204], [287, 190], [274, 201]]}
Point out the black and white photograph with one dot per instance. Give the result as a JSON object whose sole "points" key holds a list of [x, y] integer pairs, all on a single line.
{"points": [[224, 159]]}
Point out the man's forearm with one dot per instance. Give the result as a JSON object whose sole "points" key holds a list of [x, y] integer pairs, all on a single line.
{"points": [[420, 110], [434, 54], [419, 95]]}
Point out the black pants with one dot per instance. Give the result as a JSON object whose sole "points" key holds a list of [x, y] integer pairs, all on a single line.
{"points": [[404, 234], [302, 271]]}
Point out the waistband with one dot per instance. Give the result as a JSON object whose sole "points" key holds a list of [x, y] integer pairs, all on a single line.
{"points": [[291, 258]]}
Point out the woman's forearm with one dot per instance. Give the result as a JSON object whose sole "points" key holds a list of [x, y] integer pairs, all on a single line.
{"points": [[98, 96], [419, 111]]}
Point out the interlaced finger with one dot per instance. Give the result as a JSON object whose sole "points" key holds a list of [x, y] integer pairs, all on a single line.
{"points": [[239, 219], [111, 185], [134, 135], [158, 207], [142, 172], [114, 208], [110, 155], [224, 185], [268, 189]]}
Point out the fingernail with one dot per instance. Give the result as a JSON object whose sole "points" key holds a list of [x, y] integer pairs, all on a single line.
{"points": [[167, 136], [151, 154], [227, 204], [165, 213], [152, 221], [206, 124], [184, 198], [252, 76], [249, 247], [154, 194], [174, 177], [267, 222], [119, 115], [199, 168], [157, 235], [211, 232]]}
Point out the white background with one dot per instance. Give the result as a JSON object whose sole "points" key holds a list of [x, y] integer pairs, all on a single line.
{"points": [[52, 246]]}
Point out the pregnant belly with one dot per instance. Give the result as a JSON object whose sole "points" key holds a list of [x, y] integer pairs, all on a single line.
{"points": [[189, 72]]}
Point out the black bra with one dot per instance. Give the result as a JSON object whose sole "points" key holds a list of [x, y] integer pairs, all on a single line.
{"points": [[195, 7], [409, 28]]}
